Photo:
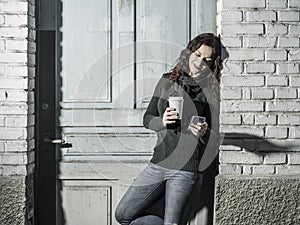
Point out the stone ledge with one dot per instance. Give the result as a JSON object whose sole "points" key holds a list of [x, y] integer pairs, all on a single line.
{"points": [[12, 200], [247, 200]]}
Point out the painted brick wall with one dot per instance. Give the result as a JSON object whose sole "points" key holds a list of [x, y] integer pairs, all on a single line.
{"points": [[17, 72], [260, 87]]}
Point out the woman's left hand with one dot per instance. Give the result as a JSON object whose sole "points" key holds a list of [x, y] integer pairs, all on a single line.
{"points": [[198, 129]]}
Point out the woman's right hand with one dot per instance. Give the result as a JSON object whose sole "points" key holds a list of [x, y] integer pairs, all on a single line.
{"points": [[169, 116]]}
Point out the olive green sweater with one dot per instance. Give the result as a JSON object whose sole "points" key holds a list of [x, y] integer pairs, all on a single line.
{"points": [[177, 149]]}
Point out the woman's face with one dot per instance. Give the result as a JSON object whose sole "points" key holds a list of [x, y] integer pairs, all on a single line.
{"points": [[200, 60]]}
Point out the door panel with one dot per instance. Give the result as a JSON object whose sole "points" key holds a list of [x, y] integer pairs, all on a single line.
{"points": [[162, 31], [86, 42]]}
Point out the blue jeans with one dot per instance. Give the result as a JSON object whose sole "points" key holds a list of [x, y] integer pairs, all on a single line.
{"points": [[148, 187]]}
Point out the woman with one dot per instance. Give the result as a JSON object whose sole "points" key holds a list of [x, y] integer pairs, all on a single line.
{"points": [[174, 167]]}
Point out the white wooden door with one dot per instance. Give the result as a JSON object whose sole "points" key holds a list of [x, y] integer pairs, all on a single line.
{"points": [[110, 55]]}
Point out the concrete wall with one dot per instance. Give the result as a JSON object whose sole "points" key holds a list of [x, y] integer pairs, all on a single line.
{"points": [[17, 71], [259, 113]]}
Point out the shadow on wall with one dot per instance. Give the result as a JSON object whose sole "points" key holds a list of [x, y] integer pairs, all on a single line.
{"points": [[202, 198]]}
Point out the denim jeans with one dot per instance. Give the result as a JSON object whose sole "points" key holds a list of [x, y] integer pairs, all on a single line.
{"points": [[148, 187]]}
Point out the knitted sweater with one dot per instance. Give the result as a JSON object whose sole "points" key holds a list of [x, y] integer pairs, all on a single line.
{"points": [[177, 148]]}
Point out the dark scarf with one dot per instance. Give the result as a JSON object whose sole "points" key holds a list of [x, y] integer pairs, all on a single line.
{"points": [[186, 84]]}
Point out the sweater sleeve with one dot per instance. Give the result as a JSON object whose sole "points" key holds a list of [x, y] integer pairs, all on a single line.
{"points": [[213, 126], [151, 119]]}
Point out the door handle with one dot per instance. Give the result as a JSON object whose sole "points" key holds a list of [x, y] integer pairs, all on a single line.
{"points": [[61, 142], [58, 141]]}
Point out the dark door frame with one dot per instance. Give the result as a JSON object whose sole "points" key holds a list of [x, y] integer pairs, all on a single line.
{"points": [[45, 109]]}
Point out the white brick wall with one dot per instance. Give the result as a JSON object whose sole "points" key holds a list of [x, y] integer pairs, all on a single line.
{"points": [[17, 63], [261, 88]]}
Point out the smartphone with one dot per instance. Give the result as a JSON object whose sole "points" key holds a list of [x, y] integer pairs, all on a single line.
{"points": [[197, 119]]}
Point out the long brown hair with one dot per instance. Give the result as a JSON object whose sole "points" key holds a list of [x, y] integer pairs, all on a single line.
{"points": [[182, 65]]}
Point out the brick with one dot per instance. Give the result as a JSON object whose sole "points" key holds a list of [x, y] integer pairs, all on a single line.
{"points": [[18, 70], [262, 93], [235, 157], [260, 67], [259, 42], [14, 170], [16, 96], [294, 158], [294, 132], [294, 55], [13, 159], [260, 16], [294, 4], [277, 4], [288, 119], [31, 73], [264, 169], [14, 32], [282, 106], [30, 132], [288, 16], [232, 68], [246, 54], [230, 169], [249, 130], [286, 93], [9, 83], [11, 133], [288, 170], [243, 4], [288, 42], [230, 118], [31, 10], [2, 45], [273, 29], [31, 34], [20, 45], [2, 146], [231, 93], [243, 81], [230, 147], [288, 68], [295, 81], [31, 157], [235, 29], [265, 119], [31, 23], [16, 121], [231, 16], [246, 93], [247, 170], [275, 158], [16, 146], [2, 20], [2, 123], [247, 119], [13, 109], [276, 55], [232, 41], [277, 80], [13, 7], [13, 57], [31, 47], [276, 132], [242, 106], [31, 145], [2, 70], [16, 20], [294, 29]]}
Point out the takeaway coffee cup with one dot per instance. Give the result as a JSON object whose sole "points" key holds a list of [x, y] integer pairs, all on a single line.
{"points": [[177, 103]]}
